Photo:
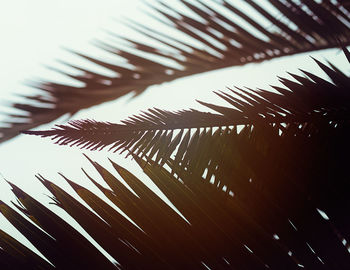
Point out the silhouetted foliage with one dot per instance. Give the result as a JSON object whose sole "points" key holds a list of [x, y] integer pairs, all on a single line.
{"points": [[260, 184], [225, 34], [250, 189]]}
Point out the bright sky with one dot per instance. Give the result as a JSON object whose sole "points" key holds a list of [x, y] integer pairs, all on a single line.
{"points": [[33, 34]]}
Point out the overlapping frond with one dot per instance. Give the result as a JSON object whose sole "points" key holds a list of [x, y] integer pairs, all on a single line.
{"points": [[265, 218], [307, 103], [225, 34]]}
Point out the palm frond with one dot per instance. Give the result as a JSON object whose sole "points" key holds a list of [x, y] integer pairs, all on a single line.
{"points": [[308, 102], [50, 234], [240, 231], [227, 36]]}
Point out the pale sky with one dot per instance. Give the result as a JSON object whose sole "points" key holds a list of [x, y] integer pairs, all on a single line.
{"points": [[34, 33]]}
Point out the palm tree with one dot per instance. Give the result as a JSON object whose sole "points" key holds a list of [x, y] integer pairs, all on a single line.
{"points": [[260, 183]]}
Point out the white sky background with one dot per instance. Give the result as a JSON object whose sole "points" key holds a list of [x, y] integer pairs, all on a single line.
{"points": [[33, 34]]}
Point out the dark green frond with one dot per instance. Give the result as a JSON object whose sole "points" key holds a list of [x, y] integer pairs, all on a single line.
{"points": [[225, 34]]}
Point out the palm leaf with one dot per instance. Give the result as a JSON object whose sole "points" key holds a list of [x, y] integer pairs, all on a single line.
{"points": [[50, 235], [13, 255], [252, 229], [289, 27], [308, 102]]}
